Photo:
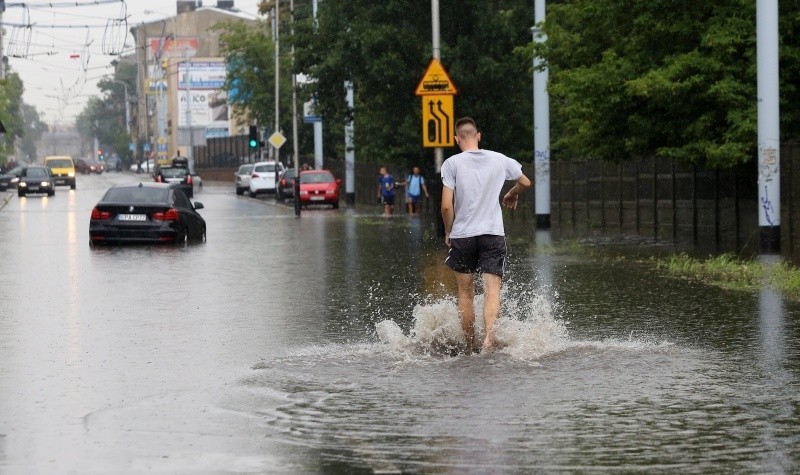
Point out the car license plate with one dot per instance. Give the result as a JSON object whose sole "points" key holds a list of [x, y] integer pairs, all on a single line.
{"points": [[33, 188], [132, 217], [317, 198]]}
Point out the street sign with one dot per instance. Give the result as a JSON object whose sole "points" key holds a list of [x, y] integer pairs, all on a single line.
{"points": [[435, 81], [437, 121], [277, 140]]}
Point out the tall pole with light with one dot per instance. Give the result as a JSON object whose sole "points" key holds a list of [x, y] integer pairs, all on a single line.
{"points": [[127, 107], [541, 125], [277, 39]]}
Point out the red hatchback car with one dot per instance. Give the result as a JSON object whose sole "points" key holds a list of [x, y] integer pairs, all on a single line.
{"points": [[319, 187]]}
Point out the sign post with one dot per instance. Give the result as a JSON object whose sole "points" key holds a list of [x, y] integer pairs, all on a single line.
{"points": [[437, 90]]}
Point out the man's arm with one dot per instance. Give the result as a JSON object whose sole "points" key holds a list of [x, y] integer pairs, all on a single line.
{"points": [[448, 212], [425, 189], [511, 199]]}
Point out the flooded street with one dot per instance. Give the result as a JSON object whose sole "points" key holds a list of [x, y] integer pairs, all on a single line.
{"points": [[324, 345]]}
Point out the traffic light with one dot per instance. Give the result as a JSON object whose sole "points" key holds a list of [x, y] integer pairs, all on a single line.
{"points": [[100, 154], [252, 140]]}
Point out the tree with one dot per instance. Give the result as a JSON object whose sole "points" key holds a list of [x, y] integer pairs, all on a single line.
{"points": [[10, 102], [665, 78], [104, 117], [34, 129]]}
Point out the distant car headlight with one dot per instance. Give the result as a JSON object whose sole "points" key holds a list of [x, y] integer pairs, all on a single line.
{"points": [[45, 184], [23, 184], [71, 174], [15, 179]]}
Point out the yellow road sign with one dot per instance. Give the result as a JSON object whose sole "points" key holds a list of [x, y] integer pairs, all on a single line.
{"points": [[435, 81], [437, 121]]}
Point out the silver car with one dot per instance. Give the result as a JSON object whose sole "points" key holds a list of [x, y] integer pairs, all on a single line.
{"points": [[243, 178]]}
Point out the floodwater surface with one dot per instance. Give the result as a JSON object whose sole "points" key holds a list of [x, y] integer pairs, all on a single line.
{"points": [[328, 344]]}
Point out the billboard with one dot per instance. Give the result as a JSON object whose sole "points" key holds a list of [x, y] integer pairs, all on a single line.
{"points": [[207, 109], [168, 47], [202, 74]]}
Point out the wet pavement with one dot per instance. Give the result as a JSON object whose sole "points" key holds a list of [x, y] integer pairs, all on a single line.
{"points": [[325, 345]]}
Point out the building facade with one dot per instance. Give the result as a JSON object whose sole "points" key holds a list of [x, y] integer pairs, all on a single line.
{"points": [[181, 75]]}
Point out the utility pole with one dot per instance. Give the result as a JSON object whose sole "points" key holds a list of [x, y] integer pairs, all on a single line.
{"points": [[277, 39], [187, 77], [769, 172], [2, 57], [438, 152], [349, 147], [541, 125], [295, 136]]}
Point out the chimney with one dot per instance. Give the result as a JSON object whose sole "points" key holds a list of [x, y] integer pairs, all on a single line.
{"points": [[225, 4], [185, 6]]}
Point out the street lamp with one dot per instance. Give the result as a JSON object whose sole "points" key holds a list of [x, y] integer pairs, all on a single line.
{"points": [[127, 107]]}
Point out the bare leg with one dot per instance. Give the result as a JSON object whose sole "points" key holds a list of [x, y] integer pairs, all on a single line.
{"points": [[466, 311], [491, 306]]}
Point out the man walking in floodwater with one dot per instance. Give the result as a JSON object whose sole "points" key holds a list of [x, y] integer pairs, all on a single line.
{"points": [[473, 223]]}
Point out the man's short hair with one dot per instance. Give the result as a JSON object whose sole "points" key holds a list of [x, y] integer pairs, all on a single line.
{"points": [[465, 121]]}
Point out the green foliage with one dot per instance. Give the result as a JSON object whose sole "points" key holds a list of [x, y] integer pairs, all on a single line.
{"points": [[669, 78], [384, 48], [104, 117], [21, 120], [10, 101]]}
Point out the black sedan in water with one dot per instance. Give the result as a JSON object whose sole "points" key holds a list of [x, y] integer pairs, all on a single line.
{"points": [[10, 178], [146, 212], [36, 179]]}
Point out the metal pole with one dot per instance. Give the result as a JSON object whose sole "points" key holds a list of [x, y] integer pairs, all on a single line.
{"points": [[541, 125], [438, 153], [295, 136], [349, 150], [127, 108], [317, 125], [2, 58], [187, 77], [769, 174], [277, 71]]}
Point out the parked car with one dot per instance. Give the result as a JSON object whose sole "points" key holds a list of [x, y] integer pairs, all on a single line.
{"points": [[113, 163], [86, 166], [146, 212], [36, 179], [242, 178], [286, 184], [63, 169], [149, 165], [178, 173], [196, 178], [264, 177], [319, 187], [11, 178]]}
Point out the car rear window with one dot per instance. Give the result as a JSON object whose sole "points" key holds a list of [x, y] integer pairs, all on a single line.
{"points": [[316, 178], [245, 169], [60, 163], [269, 167], [174, 172], [145, 195]]}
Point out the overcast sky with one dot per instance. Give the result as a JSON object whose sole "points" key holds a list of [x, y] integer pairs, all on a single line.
{"points": [[58, 69]]}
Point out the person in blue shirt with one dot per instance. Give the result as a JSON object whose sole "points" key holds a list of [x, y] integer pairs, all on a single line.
{"points": [[415, 186], [386, 185]]}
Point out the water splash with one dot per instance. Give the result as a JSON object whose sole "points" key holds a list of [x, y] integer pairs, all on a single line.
{"points": [[527, 329]]}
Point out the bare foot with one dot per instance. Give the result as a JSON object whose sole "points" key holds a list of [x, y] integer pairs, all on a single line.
{"points": [[487, 349]]}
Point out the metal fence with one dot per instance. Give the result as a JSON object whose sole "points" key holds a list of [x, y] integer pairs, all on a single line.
{"points": [[715, 210]]}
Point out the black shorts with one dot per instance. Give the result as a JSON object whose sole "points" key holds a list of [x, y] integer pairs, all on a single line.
{"points": [[486, 253], [388, 200]]}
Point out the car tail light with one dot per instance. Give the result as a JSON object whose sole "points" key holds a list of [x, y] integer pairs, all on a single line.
{"points": [[159, 179], [254, 175], [168, 215], [97, 214], [283, 181], [189, 179]]}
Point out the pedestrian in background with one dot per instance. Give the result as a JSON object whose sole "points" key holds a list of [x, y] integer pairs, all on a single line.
{"points": [[473, 222], [386, 186], [415, 185]]}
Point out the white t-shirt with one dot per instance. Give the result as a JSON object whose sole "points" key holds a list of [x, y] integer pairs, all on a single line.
{"points": [[477, 178]]}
